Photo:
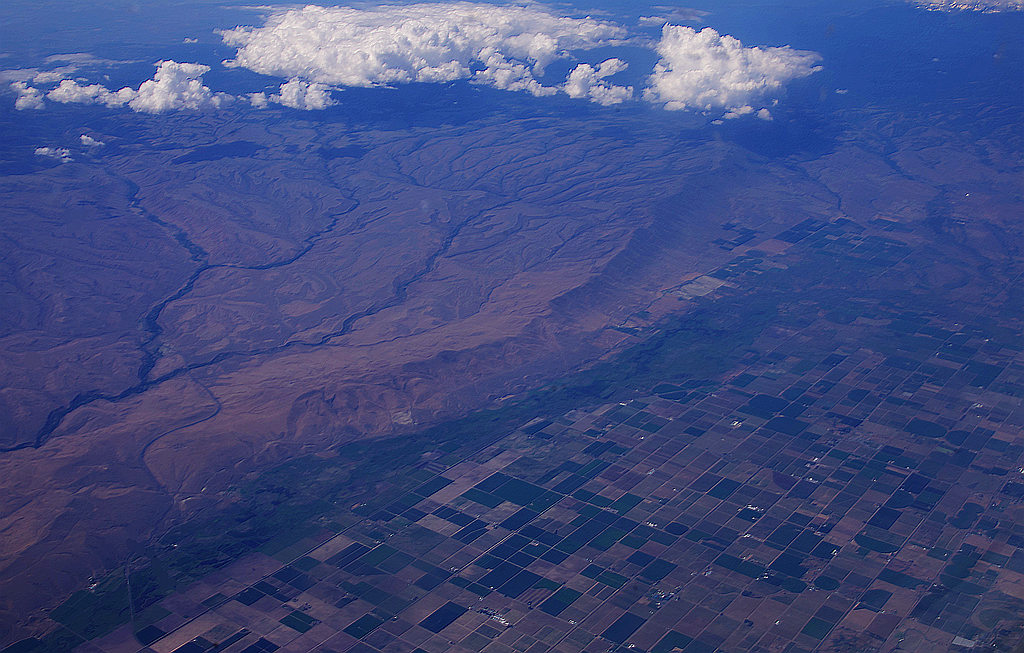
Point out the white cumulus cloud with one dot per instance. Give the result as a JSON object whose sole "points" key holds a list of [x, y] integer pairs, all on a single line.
{"points": [[70, 91], [259, 100], [747, 110], [62, 154], [175, 86], [89, 141], [298, 94], [706, 70], [28, 96], [506, 47], [585, 81]]}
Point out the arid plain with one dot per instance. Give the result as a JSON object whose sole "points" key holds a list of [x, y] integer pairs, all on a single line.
{"points": [[191, 314]]}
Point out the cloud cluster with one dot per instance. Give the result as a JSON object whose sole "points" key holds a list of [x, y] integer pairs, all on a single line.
{"points": [[70, 91], [747, 110], [62, 154], [585, 81], [31, 97], [28, 96], [706, 70], [298, 94], [174, 86], [506, 47], [984, 6], [314, 51]]}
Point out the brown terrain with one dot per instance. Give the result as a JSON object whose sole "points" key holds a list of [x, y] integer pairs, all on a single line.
{"points": [[187, 315], [177, 316]]}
